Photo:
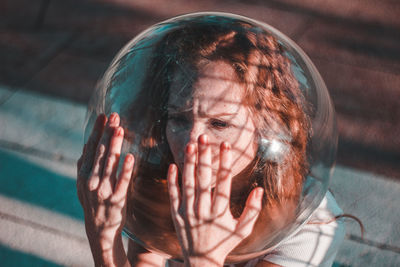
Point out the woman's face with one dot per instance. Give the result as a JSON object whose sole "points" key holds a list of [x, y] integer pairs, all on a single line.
{"points": [[213, 105]]}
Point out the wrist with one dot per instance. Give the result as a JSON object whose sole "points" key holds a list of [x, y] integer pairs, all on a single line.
{"points": [[104, 239], [195, 261], [108, 252]]}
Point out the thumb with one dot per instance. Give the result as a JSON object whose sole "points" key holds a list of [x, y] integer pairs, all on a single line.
{"points": [[250, 213]]}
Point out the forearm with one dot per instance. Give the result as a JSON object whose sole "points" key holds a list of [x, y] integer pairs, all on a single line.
{"points": [[106, 253]]}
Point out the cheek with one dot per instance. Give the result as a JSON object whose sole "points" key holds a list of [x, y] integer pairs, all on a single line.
{"points": [[242, 157], [244, 150]]}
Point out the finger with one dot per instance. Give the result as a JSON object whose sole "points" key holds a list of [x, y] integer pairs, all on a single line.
{"points": [[105, 189], [250, 213], [91, 146], [121, 188], [80, 180], [188, 179], [175, 198], [112, 159], [100, 158], [112, 124], [80, 160], [203, 178], [173, 189], [224, 180], [94, 179], [81, 192]]}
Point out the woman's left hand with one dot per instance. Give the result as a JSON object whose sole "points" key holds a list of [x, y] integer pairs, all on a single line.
{"points": [[206, 229]]}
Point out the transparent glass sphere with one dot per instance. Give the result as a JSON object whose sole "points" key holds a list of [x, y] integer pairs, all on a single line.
{"points": [[236, 80]]}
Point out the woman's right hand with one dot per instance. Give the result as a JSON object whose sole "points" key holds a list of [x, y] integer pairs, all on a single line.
{"points": [[101, 194]]}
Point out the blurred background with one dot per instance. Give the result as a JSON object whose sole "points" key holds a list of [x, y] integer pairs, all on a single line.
{"points": [[52, 53]]}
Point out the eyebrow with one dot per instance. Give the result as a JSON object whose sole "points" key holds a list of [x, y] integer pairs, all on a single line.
{"points": [[223, 114]]}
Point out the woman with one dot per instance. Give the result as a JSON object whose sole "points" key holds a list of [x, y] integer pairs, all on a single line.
{"points": [[219, 94]]}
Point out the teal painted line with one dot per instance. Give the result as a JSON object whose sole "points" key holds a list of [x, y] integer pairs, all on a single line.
{"points": [[10, 257], [25, 181]]}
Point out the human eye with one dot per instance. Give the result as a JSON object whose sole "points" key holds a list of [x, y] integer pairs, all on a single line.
{"points": [[219, 124]]}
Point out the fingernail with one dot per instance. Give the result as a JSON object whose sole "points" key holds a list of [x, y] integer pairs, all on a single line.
{"points": [[112, 117], [259, 192], [190, 148], [129, 158], [203, 139], [226, 145], [172, 168]]}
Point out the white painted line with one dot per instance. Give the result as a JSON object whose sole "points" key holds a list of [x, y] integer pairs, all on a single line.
{"points": [[47, 245], [25, 213]]}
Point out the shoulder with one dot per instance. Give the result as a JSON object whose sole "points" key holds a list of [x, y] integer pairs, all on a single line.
{"points": [[317, 241]]}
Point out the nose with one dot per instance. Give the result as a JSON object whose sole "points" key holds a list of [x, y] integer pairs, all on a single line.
{"points": [[190, 135], [195, 131]]}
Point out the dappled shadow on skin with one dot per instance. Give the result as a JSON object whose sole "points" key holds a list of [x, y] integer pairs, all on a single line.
{"points": [[318, 237], [149, 205], [246, 96], [218, 223]]}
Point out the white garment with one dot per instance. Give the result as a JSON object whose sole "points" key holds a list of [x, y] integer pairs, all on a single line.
{"points": [[314, 244]]}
